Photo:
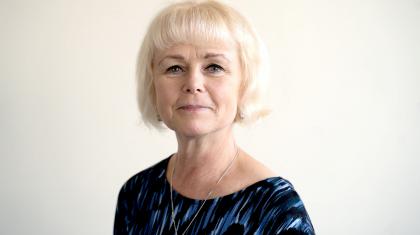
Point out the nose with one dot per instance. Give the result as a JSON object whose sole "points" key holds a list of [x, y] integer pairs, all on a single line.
{"points": [[194, 82]]}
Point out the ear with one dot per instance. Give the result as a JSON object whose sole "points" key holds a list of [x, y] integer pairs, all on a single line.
{"points": [[239, 114]]}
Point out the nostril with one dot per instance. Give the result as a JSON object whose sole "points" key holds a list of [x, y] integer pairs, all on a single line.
{"points": [[193, 90]]}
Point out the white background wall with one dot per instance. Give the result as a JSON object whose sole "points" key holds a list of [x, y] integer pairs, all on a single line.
{"points": [[345, 128]]}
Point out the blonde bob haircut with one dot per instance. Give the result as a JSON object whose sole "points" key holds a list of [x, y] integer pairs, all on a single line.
{"points": [[198, 22]]}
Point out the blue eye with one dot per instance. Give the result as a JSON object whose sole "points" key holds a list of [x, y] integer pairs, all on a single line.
{"points": [[215, 68], [174, 69]]}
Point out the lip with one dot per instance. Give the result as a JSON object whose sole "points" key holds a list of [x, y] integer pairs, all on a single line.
{"points": [[192, 107]]}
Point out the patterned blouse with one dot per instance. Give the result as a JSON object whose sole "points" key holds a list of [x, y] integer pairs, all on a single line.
{"points": [[269, 206]]}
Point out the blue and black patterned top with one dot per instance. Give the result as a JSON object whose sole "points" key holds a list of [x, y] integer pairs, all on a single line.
{"points": [[269, 206]]}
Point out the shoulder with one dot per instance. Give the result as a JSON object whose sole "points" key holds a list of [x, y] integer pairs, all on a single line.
{"points": [[250, 170], [280, 192], [134, 194], [145, 178], [285, 208]]}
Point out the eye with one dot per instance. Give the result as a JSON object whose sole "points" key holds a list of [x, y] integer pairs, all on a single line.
{"points": [[174, 69], [215, 68]]}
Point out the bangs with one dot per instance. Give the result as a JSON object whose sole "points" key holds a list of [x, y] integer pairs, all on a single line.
{"points": [[196, 25], [202, 23]]}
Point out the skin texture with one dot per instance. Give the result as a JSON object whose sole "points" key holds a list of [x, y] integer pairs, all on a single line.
{"points": [[197, 93]]}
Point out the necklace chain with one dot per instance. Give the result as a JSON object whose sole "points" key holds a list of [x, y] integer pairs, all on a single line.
{"points": [[208, 195]]}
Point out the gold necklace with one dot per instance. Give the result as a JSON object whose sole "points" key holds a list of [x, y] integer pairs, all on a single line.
{"points": [[208, 195]]}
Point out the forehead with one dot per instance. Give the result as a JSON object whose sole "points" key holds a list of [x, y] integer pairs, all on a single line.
{"points": [[218, 49]]}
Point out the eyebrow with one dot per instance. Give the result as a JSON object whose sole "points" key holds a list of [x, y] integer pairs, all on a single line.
{"points": [[176, 57], [212, 55], [207, 56]]}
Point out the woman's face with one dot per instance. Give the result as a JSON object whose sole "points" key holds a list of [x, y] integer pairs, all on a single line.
{"points": [[197, 87]]}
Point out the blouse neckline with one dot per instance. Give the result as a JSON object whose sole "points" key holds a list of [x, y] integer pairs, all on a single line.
{"points": [[227, 196]]}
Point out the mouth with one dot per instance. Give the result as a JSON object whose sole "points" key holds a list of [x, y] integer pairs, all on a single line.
{"points": [[193, 108]]}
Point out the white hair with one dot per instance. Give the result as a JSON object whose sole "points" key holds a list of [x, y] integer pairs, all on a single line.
{"points": [[198, 22]]}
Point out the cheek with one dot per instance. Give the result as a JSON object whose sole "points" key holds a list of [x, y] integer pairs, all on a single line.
{"points": [[227, 96], [165, 96]]}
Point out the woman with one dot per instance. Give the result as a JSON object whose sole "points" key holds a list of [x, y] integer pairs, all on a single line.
{"points": [[200, 70]]}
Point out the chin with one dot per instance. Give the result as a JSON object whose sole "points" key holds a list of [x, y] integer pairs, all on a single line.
{"points": [[192, 131], [199, 129]]}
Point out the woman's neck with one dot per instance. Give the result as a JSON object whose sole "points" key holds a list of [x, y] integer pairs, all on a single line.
{"points": [[201, 161]]}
